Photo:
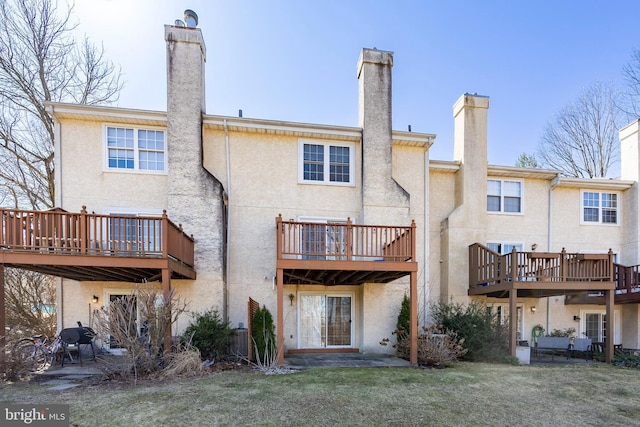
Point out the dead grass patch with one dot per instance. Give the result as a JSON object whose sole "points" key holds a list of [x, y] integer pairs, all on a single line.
{"points": [[466, 394]]}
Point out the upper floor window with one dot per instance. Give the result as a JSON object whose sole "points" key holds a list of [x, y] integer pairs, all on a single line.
{"points": [[325, 163], [504, 196], [504, 247], [135, 149], [599, 208]]}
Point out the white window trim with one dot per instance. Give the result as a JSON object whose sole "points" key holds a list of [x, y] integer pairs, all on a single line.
{"points": [[501, 211], [504, 242], [135, 170], [617, 323], [326, 144], [106, 293], [504, 308], [599, 222], [322, 220], [328, 294]]}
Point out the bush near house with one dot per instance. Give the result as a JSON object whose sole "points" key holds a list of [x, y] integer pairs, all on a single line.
{"points": [[480, 330], [404, 316], [263, 333], [210, 334], [435, 347], [568, 332]]}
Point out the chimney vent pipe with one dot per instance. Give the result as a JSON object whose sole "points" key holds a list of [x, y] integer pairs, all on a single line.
{"points": [[190, 18]]}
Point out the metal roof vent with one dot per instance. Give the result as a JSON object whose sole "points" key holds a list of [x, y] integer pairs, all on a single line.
{"points": [[178, 23], [190, 18]]}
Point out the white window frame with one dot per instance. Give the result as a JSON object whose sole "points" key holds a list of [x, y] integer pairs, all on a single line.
{"points": [[617, 324], [326, 162], [504, 243], [504, 312], [600, 209], [324, 220], [502, 196], [106, 300], [136, 150], [326, 294], [134, 213]]}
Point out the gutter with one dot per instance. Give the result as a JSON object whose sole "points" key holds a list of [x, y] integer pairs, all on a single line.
{"points": [[225, 291], [554, 183], [426, 269]]}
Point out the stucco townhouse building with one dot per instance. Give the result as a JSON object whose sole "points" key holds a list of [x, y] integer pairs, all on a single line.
{"points": [[327, 226]]}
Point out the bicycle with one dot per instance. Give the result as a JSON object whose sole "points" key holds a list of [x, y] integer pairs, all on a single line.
{"points": [[35, 353]]}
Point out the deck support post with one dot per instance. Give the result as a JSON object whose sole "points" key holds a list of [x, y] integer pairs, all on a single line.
{"points": [[280, 316], [608, 342], [3, 339], [413, 317], [166, 295], [513, 321]]}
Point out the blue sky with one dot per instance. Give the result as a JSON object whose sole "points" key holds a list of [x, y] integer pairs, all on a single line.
{"points": [[296, 60]]}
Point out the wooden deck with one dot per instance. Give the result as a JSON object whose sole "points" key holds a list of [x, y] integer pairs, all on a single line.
{"points": [[93, 247], [538, 274], [542, 274], [311, 253]]}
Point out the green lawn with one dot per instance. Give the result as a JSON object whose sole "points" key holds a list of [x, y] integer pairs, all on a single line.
{"points": [[467, 394]]}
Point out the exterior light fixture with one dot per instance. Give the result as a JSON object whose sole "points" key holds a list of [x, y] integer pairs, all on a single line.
{"points": [[533, 308], [94, 299], [291, 297]]}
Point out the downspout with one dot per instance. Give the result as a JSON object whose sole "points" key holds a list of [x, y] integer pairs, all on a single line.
{"points": [[426, 269], [554, 184], [225, 291], [57, 202]]}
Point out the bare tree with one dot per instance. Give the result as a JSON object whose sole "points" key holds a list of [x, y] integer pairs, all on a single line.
{"points": [[582, 139], [630, 103], [40, 61], [30, 302]]}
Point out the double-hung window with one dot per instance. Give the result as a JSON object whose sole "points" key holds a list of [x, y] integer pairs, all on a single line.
{"points": [[326, 163], [504, 196], [130, 149], [599, 208]]}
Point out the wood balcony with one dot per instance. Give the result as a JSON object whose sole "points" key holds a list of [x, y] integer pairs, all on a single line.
{"points": [[344, 253], [93, 247], [627, 290], [538, 274]]}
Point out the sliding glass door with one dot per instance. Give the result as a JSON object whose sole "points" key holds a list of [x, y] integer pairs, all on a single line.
{"points": [[325, 320]]}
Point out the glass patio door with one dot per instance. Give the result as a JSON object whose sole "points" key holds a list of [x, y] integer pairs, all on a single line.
{"points": [[325, 321]]}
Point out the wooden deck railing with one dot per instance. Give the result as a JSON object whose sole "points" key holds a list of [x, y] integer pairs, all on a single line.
{"points": [[344, 241], [627, 279], [59, 232], [487, 267]]}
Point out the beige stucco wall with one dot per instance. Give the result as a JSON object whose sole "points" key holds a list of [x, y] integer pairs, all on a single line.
{"points": [[84, 181], [262, 184]]}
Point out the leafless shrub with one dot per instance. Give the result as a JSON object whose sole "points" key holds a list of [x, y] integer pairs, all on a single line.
{"points": [[138, 323], [435, 347]]}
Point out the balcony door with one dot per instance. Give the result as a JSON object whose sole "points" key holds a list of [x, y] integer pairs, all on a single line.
{"points": [[325, 320], [323, 239]]}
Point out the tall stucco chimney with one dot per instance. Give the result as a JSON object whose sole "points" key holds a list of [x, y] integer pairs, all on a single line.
{"points": [[467, 223], [379, 191], [470, 149], [195, 197]]}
